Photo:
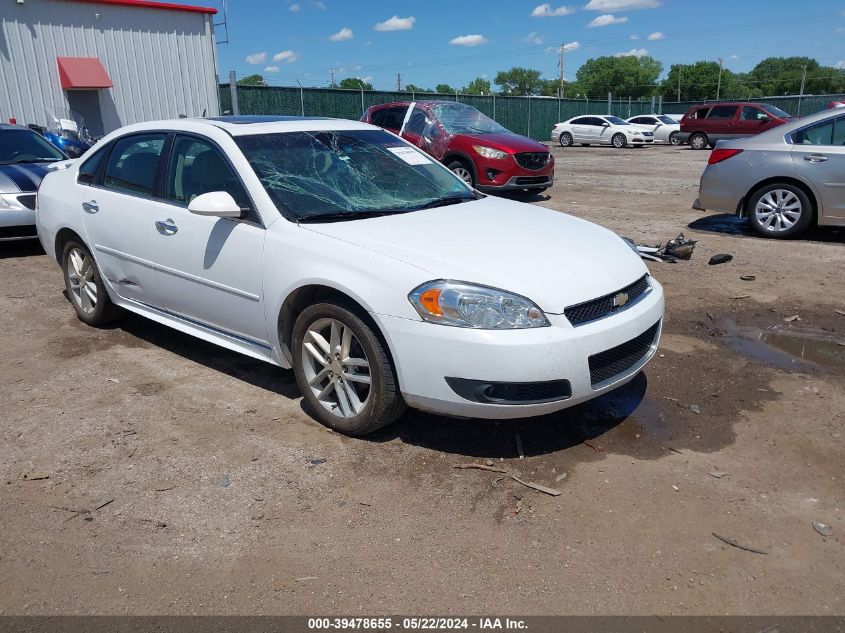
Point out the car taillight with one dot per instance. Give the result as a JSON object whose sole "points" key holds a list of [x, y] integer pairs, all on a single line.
{"points": [[718, 155]]}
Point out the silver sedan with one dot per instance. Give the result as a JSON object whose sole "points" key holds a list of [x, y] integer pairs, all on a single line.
{"points": [[784, 180]]}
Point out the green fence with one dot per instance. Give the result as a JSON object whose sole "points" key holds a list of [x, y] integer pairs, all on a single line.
{"points": [[531, 116]]}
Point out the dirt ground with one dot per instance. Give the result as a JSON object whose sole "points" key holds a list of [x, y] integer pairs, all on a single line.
{"points": [[187, 479]]}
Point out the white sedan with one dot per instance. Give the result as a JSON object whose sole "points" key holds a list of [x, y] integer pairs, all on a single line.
{"points": [[600, 130], [339, 250], [665, 128]]}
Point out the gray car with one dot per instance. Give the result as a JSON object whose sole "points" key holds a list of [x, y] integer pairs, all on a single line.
{"points": [[784, 180]]}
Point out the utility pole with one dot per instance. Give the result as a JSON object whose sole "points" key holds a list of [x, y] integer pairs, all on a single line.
{"points": [[398, 82], [719, 85], [801, 92], [331, 70], [560, 65], [679, 85]]}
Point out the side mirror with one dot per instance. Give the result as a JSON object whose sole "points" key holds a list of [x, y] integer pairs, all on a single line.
{"points": [[219, 204], [658, 125], [605, 124], [763, 118]]}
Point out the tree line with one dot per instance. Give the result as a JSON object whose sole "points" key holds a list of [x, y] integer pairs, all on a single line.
{"points": [[639, 78]]}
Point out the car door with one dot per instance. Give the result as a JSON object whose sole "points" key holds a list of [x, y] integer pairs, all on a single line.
{"points": [[600, 130], [722, 121], [415, 126], [818, 154], [116, 193], [577, 127], [752, 120], [209, 268]]}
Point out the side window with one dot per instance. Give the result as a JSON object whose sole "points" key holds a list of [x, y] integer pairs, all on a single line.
{"points": [[133, 163], [701, 113], [579, 121], [722, 112], [750, 113], [839, 132], [597, 121], [197, 167], [377, 117], [821, 134], [89, 168], [393, 118], [416, 124], [650, 120]]}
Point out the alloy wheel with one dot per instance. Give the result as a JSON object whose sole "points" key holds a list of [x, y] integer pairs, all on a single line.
{"points": [[618, 141], [464, 174], [336, 367], [83, 287], [673, 139], [778, 210]]}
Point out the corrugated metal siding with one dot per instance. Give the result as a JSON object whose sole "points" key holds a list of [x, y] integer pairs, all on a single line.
{"points": [[162, 63]]}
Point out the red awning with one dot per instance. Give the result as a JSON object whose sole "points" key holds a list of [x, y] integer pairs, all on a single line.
{"points": [[82, 73]]}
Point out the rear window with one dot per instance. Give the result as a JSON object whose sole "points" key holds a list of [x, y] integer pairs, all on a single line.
{"points": [[722, 112]]}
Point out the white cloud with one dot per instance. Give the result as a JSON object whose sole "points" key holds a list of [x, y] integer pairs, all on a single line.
{"points": [[546, 11], [607, 20], [396, 24], [468, 40], [734, 56], [342, 35], [571, 46], [294, 8], [840, 64], [634, 52], [271, 69], [286, 56], [256, 58], [366, 79], [634, 37], [621, 5], [533, 38], [657, 35], [320, 5]]}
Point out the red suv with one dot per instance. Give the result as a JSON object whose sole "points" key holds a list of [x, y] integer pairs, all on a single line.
{"points": [[703, 125], [479, 150]]}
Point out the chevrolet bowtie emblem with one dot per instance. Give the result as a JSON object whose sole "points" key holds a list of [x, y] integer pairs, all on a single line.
{"points": [[620, 299]]}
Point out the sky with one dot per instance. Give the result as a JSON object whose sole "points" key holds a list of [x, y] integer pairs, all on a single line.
{"points": [[454, 41]]}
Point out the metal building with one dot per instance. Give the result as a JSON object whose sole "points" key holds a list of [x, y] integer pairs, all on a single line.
{"points": [[114, 62]]}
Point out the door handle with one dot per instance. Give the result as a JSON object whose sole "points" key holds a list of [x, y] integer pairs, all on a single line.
{"points": [[91, 207], [815, 158], [167, 227]]}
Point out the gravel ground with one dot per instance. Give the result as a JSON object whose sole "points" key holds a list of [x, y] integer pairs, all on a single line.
{"points": [[187, 479]]}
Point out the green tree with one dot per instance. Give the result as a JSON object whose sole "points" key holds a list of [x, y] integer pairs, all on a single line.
{"points": [[252, 80], [415, 88], [444, 89], [624, 76], [782, 75], [355, 83], [519, 81], [478, 86], [701, 81]]}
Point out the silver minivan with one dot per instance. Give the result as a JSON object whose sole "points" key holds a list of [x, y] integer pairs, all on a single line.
{"points": [[784, 180]]}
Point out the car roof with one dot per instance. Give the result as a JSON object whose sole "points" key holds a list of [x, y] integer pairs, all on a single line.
{"points": [[247, 125], [426, 103], [13, 126]]}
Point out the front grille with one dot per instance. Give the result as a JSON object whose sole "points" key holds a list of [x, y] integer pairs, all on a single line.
{"points": [[532, 160], [28, 201], [531, 180], [598, 308], [511, 392], [609, 364], [9, 232]]}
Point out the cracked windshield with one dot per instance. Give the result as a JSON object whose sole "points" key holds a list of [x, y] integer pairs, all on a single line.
{"points": [[459, 118], [348, 174]]}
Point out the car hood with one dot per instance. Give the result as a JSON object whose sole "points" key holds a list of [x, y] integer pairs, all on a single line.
{"points": [[554, 259], [508, 141], [21, 177]]}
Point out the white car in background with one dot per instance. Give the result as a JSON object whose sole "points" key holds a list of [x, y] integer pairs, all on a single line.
{"points": [[339, 250], [600, 130], [665, 128]]}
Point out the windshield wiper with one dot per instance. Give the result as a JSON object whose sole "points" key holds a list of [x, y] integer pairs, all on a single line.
{"points": [[443, 202], [20, 161], [349, 215]]}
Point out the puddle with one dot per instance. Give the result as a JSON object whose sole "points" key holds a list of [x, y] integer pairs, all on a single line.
{"points": [[635, 416], [784, 348]]}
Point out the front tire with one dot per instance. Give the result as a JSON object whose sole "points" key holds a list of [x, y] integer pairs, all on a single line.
{"points": [[84, 286], [462, 171], [565, 139], [673, 139], [779, 210], [343, 370], [619, 141], [698, 141]]}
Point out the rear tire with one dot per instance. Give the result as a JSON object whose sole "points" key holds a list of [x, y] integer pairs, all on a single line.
{"points": [[698, 141], [779, 210], [85, 287], [463, 171], [565, 139], [343, 370], [619, 141]]}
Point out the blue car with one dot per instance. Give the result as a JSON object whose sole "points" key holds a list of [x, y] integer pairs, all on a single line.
{"points": [[24, 159]]}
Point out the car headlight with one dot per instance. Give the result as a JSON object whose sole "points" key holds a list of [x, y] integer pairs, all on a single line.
{"points": [[489, 152], [9, 202], [467, 305]]}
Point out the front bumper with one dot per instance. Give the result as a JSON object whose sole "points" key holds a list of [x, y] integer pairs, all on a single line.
{"points": [[17, 224], [518, 183], [426, 354], [492, 175]]}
